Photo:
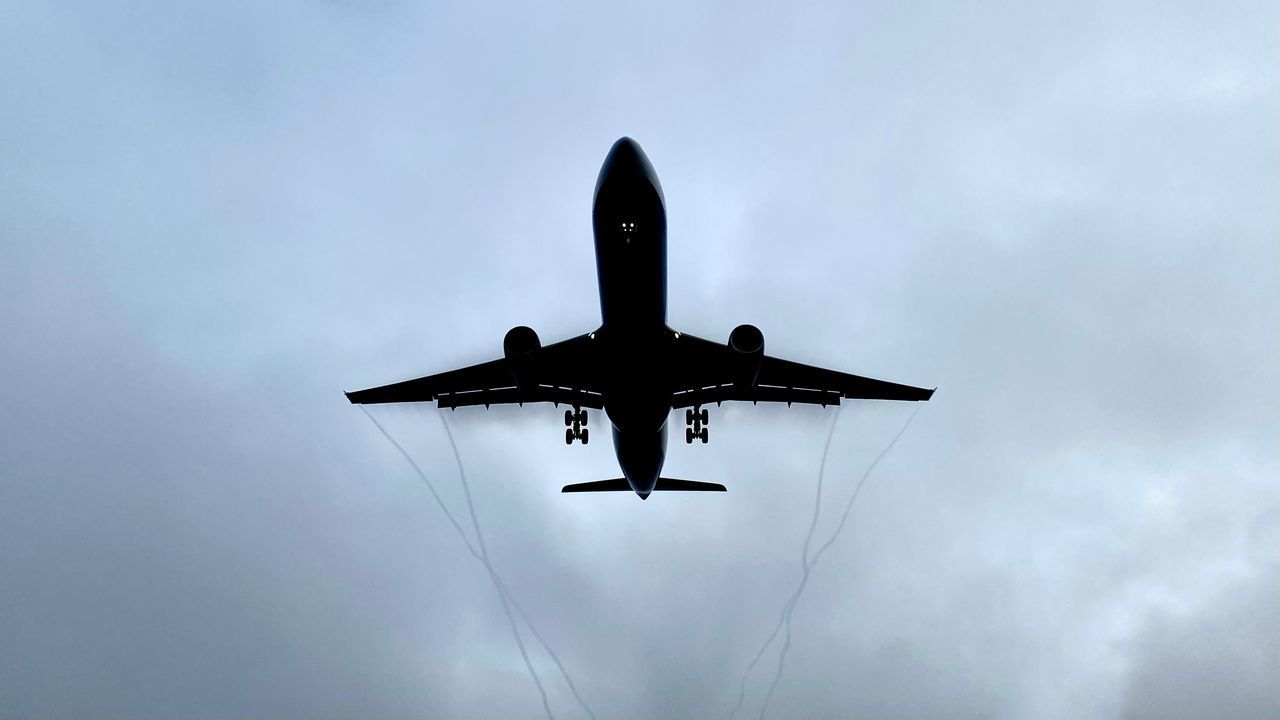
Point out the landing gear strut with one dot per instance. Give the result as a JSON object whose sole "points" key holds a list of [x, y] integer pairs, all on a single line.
{"points": [[696, 419], [575, 421]]}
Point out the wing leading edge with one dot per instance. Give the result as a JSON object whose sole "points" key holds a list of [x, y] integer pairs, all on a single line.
{"points": [[559, 373], [712, 367]]}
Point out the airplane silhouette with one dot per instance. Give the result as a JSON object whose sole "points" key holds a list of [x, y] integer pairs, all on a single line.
{"points": [[635, 367]]}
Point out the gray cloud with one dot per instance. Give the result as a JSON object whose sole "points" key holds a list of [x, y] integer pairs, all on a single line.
{"points": [[214, 220]]}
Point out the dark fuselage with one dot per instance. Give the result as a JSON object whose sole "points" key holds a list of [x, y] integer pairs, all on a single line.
{"points": [[630, 225]]}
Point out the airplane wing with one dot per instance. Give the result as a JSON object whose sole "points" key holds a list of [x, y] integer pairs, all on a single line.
{"points": [[565, 372], [710, 372]]}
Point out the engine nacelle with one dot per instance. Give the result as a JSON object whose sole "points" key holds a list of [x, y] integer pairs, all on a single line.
{"points": [[747, 344], [520, 340], [519, 343]]}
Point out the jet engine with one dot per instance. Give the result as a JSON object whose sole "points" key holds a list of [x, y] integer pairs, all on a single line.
{"points": [[747, 344], [519, 343]]}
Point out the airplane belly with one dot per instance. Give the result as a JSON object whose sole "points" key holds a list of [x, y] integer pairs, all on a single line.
{"points": [[632, 281], [641, 456], [643, 409]]}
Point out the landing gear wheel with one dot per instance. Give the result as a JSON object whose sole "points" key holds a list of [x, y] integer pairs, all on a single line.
{"points": [[568, 418], [688, 417], [703, 436], [580, 416], [568, 436], [688, 436], [583, 435], [703, 416]]}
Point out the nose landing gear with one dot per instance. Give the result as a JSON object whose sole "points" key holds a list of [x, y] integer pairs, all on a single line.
{"points": [[696, 419], [575, 421]]}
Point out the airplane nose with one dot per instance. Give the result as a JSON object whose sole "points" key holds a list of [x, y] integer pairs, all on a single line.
{"points": [[627, 165], [625, 153]]}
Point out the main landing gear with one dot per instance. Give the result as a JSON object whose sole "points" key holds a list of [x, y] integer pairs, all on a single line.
{"points": [[696, 419], [575, 421]]}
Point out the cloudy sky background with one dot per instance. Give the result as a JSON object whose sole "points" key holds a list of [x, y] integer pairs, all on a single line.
{"points": [[214, 219]]}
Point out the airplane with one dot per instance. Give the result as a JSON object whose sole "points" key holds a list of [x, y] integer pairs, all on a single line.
{"points": [[634, 367]]}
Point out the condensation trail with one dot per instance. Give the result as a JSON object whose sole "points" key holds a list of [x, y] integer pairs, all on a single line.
{"points": [[809, 563], [784, 621], [804, 554], [504, 593], [498, 581], [497, 578], [493, 575]]}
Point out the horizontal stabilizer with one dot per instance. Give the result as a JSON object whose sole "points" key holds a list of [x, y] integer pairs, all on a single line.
{"points": [[664, 484], [687, 485], [615, 485]]}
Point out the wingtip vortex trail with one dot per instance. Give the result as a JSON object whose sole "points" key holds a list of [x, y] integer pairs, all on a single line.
{"points": [[505, 595], [784, 619]]}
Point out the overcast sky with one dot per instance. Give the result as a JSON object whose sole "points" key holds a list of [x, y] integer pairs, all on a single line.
{"points": [[215, 218]]}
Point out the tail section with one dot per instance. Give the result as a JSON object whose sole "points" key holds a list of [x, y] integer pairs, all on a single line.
{"points": [[664, 484]]}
